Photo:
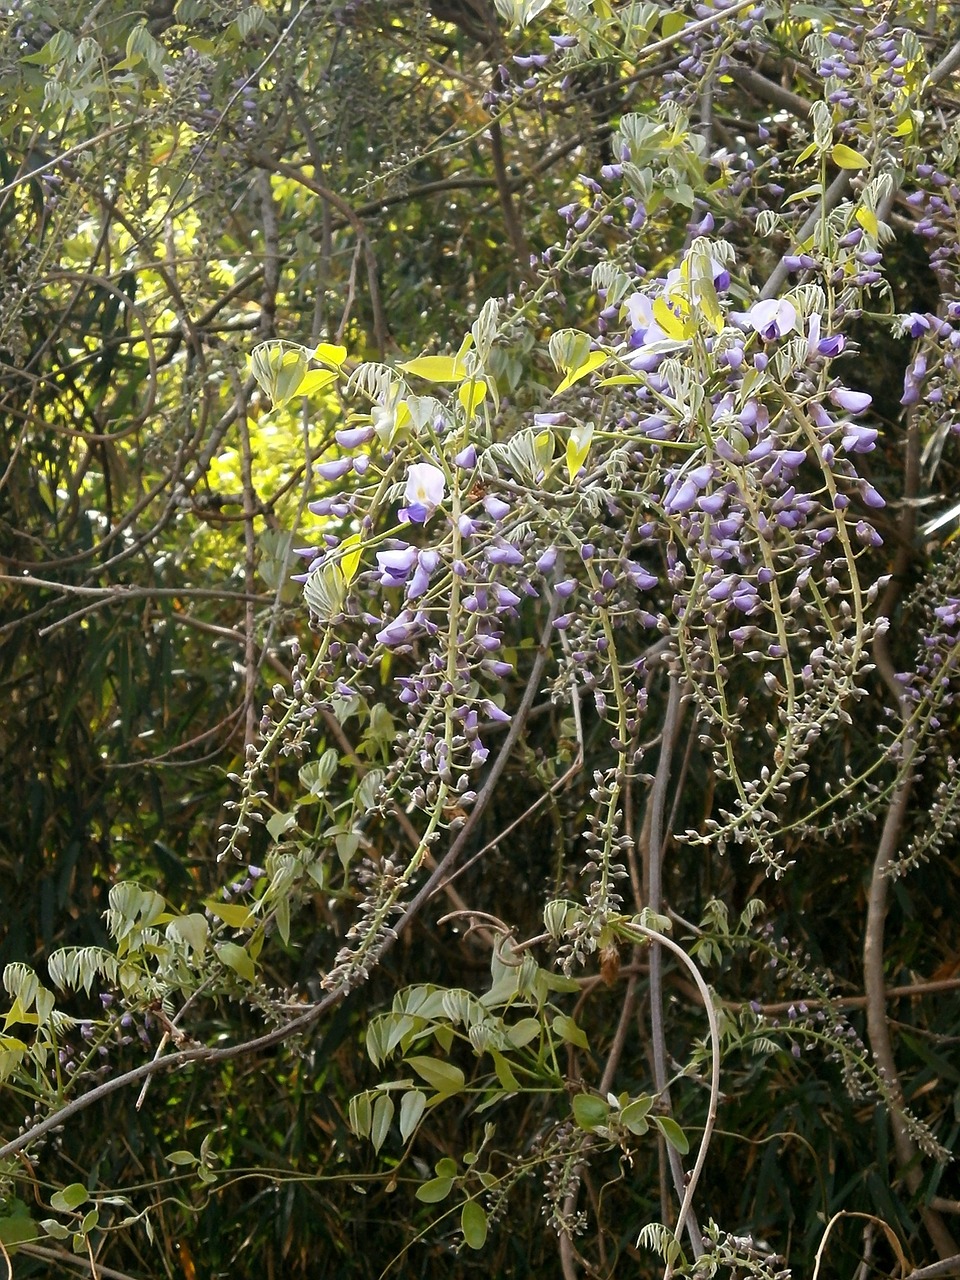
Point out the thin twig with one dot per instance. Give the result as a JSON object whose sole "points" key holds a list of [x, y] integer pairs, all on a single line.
{"points": [[686, 1216], [656, 839]]}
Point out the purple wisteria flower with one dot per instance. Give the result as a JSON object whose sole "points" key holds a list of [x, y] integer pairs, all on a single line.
{"points": [[426, 489], [773, 318], [819, 346], [395, 566]]}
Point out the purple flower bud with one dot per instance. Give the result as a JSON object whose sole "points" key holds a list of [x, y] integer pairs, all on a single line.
{"points": [[495, 507], [401, 631], [506, 553], [870, 496], [354, 437], [851, 401], [857, 438], [466, 458], [680, 497], [547, 561], [335, 470], [496, 667]]}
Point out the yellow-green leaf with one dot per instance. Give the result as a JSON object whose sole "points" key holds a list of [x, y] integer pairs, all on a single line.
{"points": [[350, 561], [845, 157], [235, 914], [436, 368], [327, 353], [315, 381], [868, 220], [593, 361], [806, 153], [278, 369], [578, 446], [672, 23], [471, 395], [812, 190], [568, 1030], [674, 326]]}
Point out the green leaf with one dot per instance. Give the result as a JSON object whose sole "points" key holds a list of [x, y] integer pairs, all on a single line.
{"points": [[315, 774], [442, 1076], [383, 1110], [17, 1228], [360, 1114], [435, 1190], [504, 1073], [182, 1158], [568, 1030], [522, 1032], [673, 1133], [279, 369], [589, 1111], [473, 1224], [61, 45], [191, 929], [278, 824], [69, 1198], [634, 1115], [412, 1106], [237, 959], [445, 1167]]}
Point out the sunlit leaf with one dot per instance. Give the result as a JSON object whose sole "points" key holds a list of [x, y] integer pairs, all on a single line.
{"points": [[846, 158]]}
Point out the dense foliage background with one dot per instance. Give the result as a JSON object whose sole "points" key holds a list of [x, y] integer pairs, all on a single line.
{"points": [[266, 850]]}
